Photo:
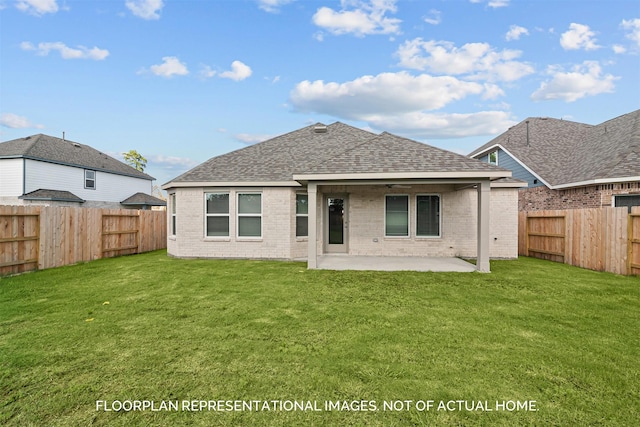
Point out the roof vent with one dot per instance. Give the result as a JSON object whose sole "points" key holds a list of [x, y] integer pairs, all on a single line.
{"points": [[320, 128]]}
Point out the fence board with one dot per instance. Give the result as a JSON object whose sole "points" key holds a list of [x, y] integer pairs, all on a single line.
{"points": [[602, 239], [40, 237], [633, 264]]}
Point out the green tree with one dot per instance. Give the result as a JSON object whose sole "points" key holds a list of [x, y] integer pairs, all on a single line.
{"points": [[135, 159]]}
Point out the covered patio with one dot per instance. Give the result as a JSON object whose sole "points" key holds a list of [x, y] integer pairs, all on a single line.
{"points": [[393, 263]]}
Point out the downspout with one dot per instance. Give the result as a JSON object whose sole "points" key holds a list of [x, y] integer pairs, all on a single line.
{"points": [[24, 176]]}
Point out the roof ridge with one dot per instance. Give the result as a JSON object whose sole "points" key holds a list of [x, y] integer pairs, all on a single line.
{"points": [[349, 128]]}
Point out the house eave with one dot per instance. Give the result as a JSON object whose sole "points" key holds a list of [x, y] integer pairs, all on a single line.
{"points": [[191, 184], [403, 176], [51, 199], [595, 182], [508, 184]]}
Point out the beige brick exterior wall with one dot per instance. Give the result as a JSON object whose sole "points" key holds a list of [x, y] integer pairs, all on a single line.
{"points": [[366, 224], [592, 196], [278, 226], [458, 222]]}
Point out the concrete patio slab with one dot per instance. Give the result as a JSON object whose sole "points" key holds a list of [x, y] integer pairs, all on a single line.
{"points": [[393, 263]]}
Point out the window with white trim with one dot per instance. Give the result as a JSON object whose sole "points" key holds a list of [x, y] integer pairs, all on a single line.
{"points": [[217, 214], [626, 200], [89, 179], [428, 215], [396, 215], [302, 215], [172, 201], [493, 158], [249, 215]]}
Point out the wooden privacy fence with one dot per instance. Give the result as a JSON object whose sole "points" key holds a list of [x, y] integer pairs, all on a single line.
{"points": [[602, 239], [40, 237]]}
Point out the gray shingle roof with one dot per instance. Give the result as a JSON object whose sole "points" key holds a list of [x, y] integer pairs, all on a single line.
{"points": [[143, 199], [55, 150], [563, 152], [391, 153], [341, 149], [278, 158], [52, 195]]}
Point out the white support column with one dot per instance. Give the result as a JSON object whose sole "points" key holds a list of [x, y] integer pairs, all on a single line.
{"points": [[312, 255], [484, 192]]}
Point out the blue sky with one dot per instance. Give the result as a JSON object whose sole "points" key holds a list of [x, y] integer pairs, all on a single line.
{"points": [[181, 81]]}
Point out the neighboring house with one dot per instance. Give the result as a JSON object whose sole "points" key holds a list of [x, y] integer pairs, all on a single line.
{"points": [[45, 170], [570, 165], [338, 189]]}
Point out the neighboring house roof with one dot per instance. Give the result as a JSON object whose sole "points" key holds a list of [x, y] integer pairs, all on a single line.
{"points": [[142, 199], [64, 152], [52, 195], [564, 153], [330, 150]]}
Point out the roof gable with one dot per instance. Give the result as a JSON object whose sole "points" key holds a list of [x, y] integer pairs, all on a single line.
{"points": [[55, 150], [562, 152]]}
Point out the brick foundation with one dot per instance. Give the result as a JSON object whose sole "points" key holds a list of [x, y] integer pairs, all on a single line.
{"points": [[593, 196]]}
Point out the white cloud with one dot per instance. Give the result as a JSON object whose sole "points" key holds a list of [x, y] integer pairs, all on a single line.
{"points": [[145, 9], [366, 17], [386, 93], [250, 139], [66, 52], [170, 67], [434, 18], [441, 125], [37, 7], [476, 60], [14, 121], [585, 79], [619, 49], [498, 3], [515, 32], [633, 25], [493, 3], [578, 36], [239, 71], [272, 6], [492, 91], [207, 72], [403, 103]]}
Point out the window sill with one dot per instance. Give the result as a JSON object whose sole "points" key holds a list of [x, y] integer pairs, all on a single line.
{"points": [[216, 239], [172, 237], [249, 239]]}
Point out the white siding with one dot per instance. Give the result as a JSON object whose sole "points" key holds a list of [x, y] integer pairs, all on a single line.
{"points": [[11, 177], [109, 187]]}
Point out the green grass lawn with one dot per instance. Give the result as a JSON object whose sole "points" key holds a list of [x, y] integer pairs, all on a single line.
{"points": [[156, 329]]}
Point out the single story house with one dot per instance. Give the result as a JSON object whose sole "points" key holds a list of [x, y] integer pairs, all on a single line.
{"points": [[45, 170], [570, 165], [338, 189]]}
